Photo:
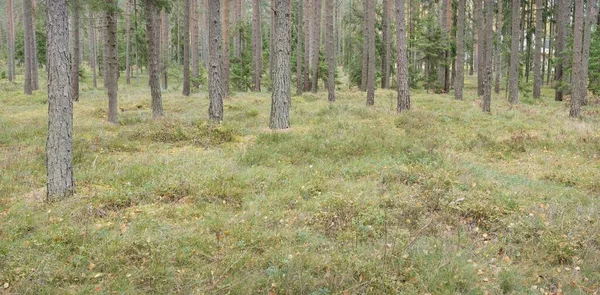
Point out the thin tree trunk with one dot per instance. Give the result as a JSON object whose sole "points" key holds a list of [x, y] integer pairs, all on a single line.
{"points": [[195, 46], [371, 49], [489, 35], [93, 50], [561, 53], [299, 50], [226, 43], [330, 50], [578, 85], [499, 47], [537, 60], [111, 57], [591, 17], [128, 42], [34, 59], [165, 49], [272, 39], [385, 64], [152, 27], [316, 47], [204, 28], [480, 28], [256, 45], [513, 92], [307, 42], [59, 144], [403, 102], [281, 99], [237, 35], [550, 47], [215, 74], [28, 35], [460, 51], [10, 40], [365, 45], [186, 48], [75, 54]]}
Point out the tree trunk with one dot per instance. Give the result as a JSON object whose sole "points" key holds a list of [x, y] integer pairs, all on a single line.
{"points": [[215, 73], [578, 85], [371, 49], [591, 17], [34, 60], [111, 57], [204, 28], [498, 47], [152, 27], [128, 42], [489, 35], [460, 51], [165, 48], [365, 47], [561, 53], [93, 49], [513, 91], [75, 54], [330, 50], [316, 45], [256, 45], [307, 42], [10, 40], [237, 30], [59, 144], [403, 88], [272, 39], [28, 35], [385, 63], [299, 50], [226, 44], [537, 60], [195, 46], [186, 48], [281, 99], [480, 45]]}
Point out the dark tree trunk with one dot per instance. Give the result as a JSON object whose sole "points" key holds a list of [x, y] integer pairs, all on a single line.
{"points": [[489, 35], [480, 29], [385, 64], [562, 24], [75, 54], [316, 45], [281, 99], [299, 51], [460, 51], [403, 88], [513, 88], [59, 144], [111, 57], [256, 45], [226, 42], [152, 29], [498, 57], [330, 50], [28, 35], [204, 28], [578, 85], [195, 46], [93, 49], [10, 40], [165, 48], [371, 66], [307, 42], [128, 42], [365, 47], [591, 17], [33, 48], [215, 71], [537, 60], [186, 48]]}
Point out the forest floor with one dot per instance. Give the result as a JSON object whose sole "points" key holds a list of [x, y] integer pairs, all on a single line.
{"points": [[443, 199]]}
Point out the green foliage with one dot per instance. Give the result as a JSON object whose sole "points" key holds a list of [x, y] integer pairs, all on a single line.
{"points": [[594, 64]]}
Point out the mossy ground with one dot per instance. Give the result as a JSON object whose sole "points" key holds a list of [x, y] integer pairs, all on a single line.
{"points": [[443, 199]]}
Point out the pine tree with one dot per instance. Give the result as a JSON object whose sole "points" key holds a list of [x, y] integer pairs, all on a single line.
{"points": [[371, 54], [111, 59], [578, 85], [460, 51], [256, 45], [330, 50], [76, 51], [513, 90], [215, 71], [152, 12], [186, 48], [403, 88], [281, 98], [537, 60]]}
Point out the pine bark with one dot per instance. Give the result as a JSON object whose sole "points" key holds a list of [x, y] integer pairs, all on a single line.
{"points": [[590, 19], [537, 60], [165, 49], [480, 29], [256, 45], [281, 99], [111, 57], [10, 40], [307, 42], [371, 54], [226, 51], [59, 144], [385, 63], [215, 71], [403, 88], [152, 28], [28, 35], [236, 21], [76, 54], [459, 81], [513, 91], [186, 48], [195, 45], [204, 29], [562, 24], [34, 59], [365, 47], [93, 50], [330, 50], [316, 47], [498, 57], [300, 50], [578, 85], [489, 34]]}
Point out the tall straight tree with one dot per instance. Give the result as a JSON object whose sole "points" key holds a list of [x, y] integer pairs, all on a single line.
{"points": [[307, 42], [281, 99], [578, 85], [537, 60], [33, 48], [498, 57], [365, 46], [215, 71], [204, 29], [387, 41], [459, 80], [128, 42], [562, 25], [186, 48], [226, 43], [590, 18], [76, 8], [93, 50], [59, 145], [111, 58], [316, 38], [256, 45], [10, 40], [28, 35], [489, 34], [403, 88], [152, 12], [236, 21], [195, 46], [480, 29], [371, 53], [513, 88], [299, 50], [330, 50], [165, 41]]}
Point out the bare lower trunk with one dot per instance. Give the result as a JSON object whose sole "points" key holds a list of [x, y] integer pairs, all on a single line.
{"points": [[281, 99], [75, 54], [385, 63], [128, 42], [460, 51], [111, 56], [59, 144], [330, 50], [307, 42], [365, 47], [28, 35], [256, 45], [489, 34], [578, 85], [226, 43], [537, 60], [215, 71], [498, 47], [513, 88], [195, 46], [152, 27], [10, 40], [93, 49], [316, 45], [186, 49], [479, 21], [561, 53], [403, 88], [165, 49], [371, 52], [299, 51]]}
